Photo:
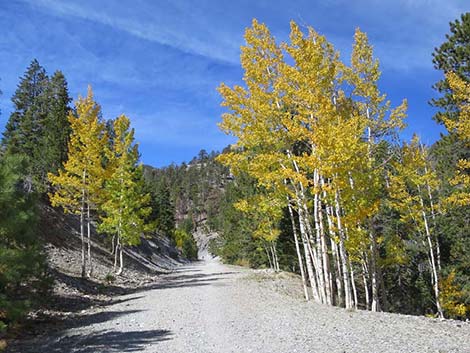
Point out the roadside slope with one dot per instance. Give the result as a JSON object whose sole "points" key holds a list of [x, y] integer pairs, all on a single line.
{"points": [[71, 296], [210, 307]]}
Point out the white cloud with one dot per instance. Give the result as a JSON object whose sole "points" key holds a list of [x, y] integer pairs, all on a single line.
{"points": [[155, 26]]}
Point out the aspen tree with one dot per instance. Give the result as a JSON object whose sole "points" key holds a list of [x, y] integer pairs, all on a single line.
{"points": [[300, 135], [460, 126], [410, 198], [78, 185], [256, 119], [126, 205], [310, 86], [380, 122], [265, 210]]}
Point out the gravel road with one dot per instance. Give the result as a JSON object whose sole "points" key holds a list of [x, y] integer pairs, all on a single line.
{"points": [[210, 307]]}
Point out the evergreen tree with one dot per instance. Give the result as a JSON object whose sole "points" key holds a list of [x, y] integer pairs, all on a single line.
{"points": [[452, 56], [22, 264], [38, 128], [56, 126], [452, 152], [25, 127], [163, 210]]}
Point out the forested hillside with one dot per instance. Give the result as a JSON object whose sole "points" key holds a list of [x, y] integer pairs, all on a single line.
{"points": [[187, 197]]}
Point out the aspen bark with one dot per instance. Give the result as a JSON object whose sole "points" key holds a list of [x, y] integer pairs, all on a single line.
{"points": [[324, 246], [335, 255], [275, 258], [322, 279], [90, 265], [121, 256], [305, 231], [353, 285], [121, 260], [297, 249], [338, 275], [82, 231], [309, 259], [366, 286], [311, 245], [343, 255], [324, 255], [433, 215], [269, 257], [116, 253], [434, 273], [375, 306], [308, 254], [113, 241]]}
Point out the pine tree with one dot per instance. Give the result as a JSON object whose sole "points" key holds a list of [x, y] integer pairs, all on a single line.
{"points": [[78, 185], [452, 56], [22, 262], [56, 125], [38, 128], [25, 127], [163, 209], [452, 151], [126, 206]]}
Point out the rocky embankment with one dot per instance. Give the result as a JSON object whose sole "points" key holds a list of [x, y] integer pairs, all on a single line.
{"points": [[72, 297]]}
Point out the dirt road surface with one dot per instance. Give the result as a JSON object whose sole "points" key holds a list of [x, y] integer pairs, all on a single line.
{"points": [[210, 307]]}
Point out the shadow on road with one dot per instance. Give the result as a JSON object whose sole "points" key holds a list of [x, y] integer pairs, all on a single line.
{"points": [[100, 341], [113, 341], [103, 342], [177, 280], [57, 328]]}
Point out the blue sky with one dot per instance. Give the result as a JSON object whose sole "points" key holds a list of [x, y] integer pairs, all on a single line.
{"points": [[160, 61]]}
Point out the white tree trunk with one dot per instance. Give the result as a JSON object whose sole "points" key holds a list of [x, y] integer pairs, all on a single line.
{"points": [[353, 285], [311, 257], [373, 272], [366, 285], [116, 253], [433, 215], [322, 280], [325, 257], [271, 266], [308, 253], [113, 242], [434, 273], [275, 259], [344, 258], [82, 233], [297, 249], [335, 254], [90, 265], [121, 261]]}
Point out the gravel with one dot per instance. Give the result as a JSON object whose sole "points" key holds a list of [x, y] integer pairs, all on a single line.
{"points": [[210, 307]]}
